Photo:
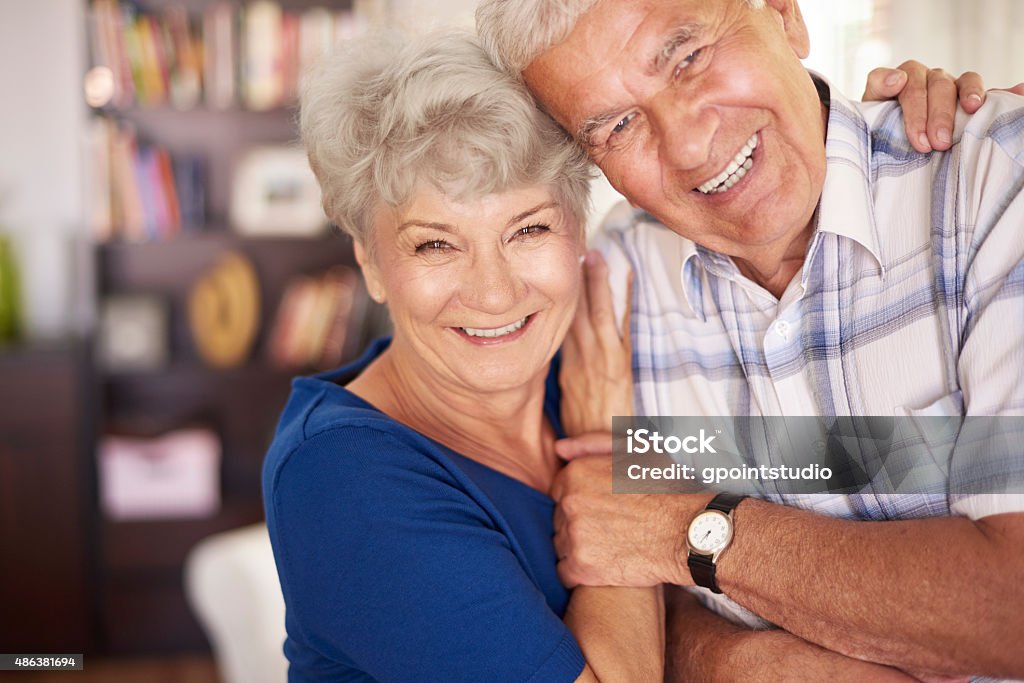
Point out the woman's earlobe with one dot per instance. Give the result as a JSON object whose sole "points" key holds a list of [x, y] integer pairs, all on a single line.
{"points": [[370, 276]]}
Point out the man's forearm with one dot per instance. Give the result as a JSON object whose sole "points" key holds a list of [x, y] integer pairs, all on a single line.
{"points": [[943, 595], [705, 647], [620, 630]]}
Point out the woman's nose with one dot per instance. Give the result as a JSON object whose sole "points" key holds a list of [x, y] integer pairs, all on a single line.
{"points": [[491, 285]]}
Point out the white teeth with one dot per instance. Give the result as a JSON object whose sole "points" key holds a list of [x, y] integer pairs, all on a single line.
{"points": [[496, 332], [734, 172]]}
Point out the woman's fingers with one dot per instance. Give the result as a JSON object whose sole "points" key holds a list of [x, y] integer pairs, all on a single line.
{"points": [[972, 91], [627, 317], [590, 443], [884, 84], [942, 103], [928, 98], [599, 296]]}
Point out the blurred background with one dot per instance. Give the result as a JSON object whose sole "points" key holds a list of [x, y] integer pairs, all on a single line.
{"points": [[165, 270]]}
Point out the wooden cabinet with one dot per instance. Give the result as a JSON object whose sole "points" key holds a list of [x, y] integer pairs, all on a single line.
{"points": [[47, 499]]}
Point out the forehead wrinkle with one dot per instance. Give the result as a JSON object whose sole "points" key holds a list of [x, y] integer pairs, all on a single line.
{"points": [[677, 39]]}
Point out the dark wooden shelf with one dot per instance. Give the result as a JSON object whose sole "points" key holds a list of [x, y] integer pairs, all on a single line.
{"points": [[141, 607], [163, 544], [48, 497]]}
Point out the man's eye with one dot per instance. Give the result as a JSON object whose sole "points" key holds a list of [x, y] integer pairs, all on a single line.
{"points": [[622, 124], [432, 245], [689, 59]]}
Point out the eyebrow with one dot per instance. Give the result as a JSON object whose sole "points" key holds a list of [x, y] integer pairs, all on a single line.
{"points": [[677, 39], [445, 227], [529, 212], [590, 125]]}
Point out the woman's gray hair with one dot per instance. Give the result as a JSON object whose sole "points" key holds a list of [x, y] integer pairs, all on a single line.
{"points": [[515, 32], [385, 114]]}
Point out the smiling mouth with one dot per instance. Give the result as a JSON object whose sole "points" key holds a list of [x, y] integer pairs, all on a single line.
{"points": [[496, 332], [734, 172]]}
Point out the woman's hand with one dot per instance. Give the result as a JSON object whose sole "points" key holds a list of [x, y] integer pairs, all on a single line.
{"points": [[596, 377], [929, 98]]}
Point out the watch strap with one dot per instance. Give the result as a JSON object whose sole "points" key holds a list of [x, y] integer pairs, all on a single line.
{"points": [[725, 502], [702, 569]]}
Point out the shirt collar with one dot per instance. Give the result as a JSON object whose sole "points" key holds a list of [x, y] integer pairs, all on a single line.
{"points": [[846, 207]]}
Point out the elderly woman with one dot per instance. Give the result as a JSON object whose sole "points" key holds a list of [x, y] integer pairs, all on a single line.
{"points": [[406, 494]]}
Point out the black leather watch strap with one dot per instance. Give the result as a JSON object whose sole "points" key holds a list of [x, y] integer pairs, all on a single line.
{"points": [[702, 567], [725, 502]]}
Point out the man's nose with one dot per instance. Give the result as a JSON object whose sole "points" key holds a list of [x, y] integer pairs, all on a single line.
{"points": [[491, 284], [685, 131]]}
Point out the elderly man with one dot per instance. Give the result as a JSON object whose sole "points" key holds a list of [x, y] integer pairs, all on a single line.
{"points": [[794, 255]]}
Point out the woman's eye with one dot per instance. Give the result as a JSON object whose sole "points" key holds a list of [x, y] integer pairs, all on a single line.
{"points": [[432, 246], [531, 230]]}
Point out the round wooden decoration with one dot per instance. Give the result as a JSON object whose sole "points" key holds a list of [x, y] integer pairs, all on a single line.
{"points": [[224, 311]]}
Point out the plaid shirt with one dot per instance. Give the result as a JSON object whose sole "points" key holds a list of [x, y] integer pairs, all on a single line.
{"points": [[910, 300]]}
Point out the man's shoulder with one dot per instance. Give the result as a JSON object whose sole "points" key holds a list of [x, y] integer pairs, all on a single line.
{"points": [[621, 219], [625, 226], [1000, 119]]}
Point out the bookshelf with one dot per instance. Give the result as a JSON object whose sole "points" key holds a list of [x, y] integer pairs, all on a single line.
{"points": [[141, 608]]}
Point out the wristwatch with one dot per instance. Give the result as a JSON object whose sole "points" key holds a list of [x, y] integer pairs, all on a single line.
{"points": [[707, 537]]}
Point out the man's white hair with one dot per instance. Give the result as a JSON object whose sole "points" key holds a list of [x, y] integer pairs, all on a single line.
{"points": [[515, 32]]}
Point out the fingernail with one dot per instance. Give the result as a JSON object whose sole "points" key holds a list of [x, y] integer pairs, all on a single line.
{"points": [[894, 78], [922, 140], [945, 136], [974, 97], [583, 257]]}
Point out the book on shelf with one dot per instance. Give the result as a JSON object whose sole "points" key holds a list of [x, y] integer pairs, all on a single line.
{"points": [[137, 191], [250, 54], [316, 321]]}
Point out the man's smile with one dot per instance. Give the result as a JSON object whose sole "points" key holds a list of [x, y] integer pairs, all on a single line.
{"points": [[734, 172]]}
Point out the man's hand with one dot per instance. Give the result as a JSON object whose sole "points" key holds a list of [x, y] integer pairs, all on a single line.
{"points": [[929, 99], [606, 539]]}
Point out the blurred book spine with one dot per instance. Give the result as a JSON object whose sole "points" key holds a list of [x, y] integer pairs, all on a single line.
{"points": [[250, 55], [138, 191], [314, 320]]}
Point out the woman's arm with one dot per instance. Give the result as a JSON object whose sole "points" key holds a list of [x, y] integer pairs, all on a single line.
{"points": [[621, 632]]}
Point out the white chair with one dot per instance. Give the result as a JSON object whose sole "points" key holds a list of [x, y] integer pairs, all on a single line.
{"points": [[232, 586]]}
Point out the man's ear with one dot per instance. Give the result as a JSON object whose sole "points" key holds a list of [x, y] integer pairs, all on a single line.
{"points": [[793, 25], [374, 285]]}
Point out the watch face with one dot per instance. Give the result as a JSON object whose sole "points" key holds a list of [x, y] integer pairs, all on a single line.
{"points": [[709, 532]]}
